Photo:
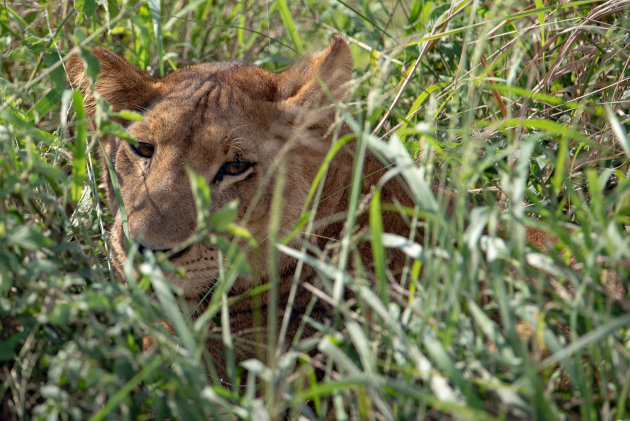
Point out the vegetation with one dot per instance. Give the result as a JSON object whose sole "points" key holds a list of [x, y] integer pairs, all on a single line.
{"points": [[520, 108]]}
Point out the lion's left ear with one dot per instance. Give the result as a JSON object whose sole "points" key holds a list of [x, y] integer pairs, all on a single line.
{"points": [[124, 86], [301, 84]]}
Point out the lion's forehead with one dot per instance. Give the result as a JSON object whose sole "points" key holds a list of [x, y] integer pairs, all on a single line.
{"points": [[210, 117], [208, 108], [252, 82], [203, 103]]}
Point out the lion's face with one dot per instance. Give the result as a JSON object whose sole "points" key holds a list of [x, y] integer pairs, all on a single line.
{"points": [[220, 132], [235, 125]]}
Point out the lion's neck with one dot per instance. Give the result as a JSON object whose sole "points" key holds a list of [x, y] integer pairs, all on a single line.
{"points": [[336, 196]]}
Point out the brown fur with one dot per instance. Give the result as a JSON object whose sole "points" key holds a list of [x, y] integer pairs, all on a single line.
{"points": [[201, 117]]}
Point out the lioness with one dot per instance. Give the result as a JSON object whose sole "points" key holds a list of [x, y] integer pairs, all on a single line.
{"points": [[236, 125]]}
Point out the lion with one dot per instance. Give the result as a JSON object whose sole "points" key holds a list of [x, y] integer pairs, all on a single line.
{"points": [[252, 135], [238, 126]]}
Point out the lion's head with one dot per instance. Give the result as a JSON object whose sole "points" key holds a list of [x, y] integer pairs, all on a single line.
{"points": [[232, 123]]}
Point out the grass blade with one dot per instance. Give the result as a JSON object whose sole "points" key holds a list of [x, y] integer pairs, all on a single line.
{"points": [[287, 19], [79, 170]]}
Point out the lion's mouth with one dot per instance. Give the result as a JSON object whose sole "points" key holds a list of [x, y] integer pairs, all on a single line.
{"points": [[171, 256]]}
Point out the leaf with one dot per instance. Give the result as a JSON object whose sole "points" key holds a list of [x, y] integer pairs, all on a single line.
{"points": [[116, 186], [80, 144], [538, 96], [92, 65], [395, 151], [89, 6], [238, 231], [590, 338], [287, 19], [8, 346], [410, 248], [81, 215], [85, 7], [620, 134], [201, 193], [52, 98], [221, 219], [376, 239], [422, 97], [324, 268], [128, 115], [21, 121], [493, 333], [443, 389], [172, 311], [127, 389], [28, 237], [541, 19], [156, 16]]}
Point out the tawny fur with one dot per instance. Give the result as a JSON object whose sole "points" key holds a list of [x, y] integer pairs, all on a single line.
{"points": [[203, 116]]}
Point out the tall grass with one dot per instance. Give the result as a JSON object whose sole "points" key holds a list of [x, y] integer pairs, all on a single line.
{"points": [[515, 110]]}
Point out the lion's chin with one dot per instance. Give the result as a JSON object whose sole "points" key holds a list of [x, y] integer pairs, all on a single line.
{"points": [[195, 306], [197, 303]]}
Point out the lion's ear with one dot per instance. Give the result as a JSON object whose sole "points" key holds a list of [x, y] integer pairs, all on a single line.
{"points": [[301, 84], [124, 86]]}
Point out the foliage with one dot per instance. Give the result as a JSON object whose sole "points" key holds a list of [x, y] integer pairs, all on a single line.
{"points": [[519, 108]]}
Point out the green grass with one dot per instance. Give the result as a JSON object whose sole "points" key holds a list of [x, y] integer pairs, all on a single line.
{"points": [[520, 109]]}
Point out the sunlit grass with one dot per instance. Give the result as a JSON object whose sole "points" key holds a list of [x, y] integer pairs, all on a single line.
{"points": [[513, 114]]}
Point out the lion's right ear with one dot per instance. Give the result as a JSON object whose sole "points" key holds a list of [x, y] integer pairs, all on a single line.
{"points": [[301, 84], [122, 85]]}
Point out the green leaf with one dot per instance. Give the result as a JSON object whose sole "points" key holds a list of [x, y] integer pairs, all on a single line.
{"points": [[23, 122], [128, 115], [8, 346], [395, 151], [376, 239], [116, 186], [201, 193], [221, 219], [336, 147], [80, 144], [592, 337], [620, 133], [28, 237], [423, 97], [86, 7], [240, 232], [127, 389], [287, 19], [541, 19], [156, 16], [92, 65]]}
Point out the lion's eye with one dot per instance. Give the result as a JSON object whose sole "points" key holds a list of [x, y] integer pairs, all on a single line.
{"points": [[143, 149], [235, 168], [232, 168]]}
